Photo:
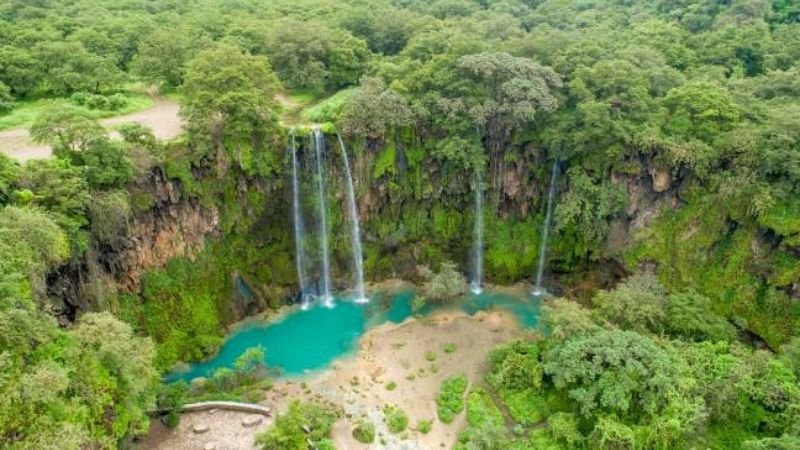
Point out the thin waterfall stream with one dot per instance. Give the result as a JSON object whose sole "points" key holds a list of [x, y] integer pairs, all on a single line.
{"points": [[299, 228], [539, 290], [476, 286], [319, 146], [355, 227]]}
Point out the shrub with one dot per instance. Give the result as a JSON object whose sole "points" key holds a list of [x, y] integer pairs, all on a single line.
{"points": [[516, 366], [390, 386], [303, 425], [364, 432], [447, 283], [430, 356], [424, 426], [449, 348], [450, 400], [396, 419], [417, 305]]}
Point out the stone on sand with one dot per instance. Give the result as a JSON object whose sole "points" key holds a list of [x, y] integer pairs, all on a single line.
{"points": [[252, 420], [200, 428]]}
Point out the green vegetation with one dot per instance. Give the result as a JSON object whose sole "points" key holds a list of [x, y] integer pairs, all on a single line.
{"points": [[424, 426], [364, 432], [302, 425], [450, 401], [396, 419], [25, 112], [391, 385], [677, 128], [619, 378]]}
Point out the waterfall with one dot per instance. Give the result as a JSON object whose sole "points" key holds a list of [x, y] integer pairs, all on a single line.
{"points": [[319, 148], [477, 275], [539, 290], [355, 228], [299, 228]]}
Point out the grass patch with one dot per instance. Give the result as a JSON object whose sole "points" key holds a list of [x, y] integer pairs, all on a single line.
{"points": [[481, 409], [25, 112], [526, 406], [396, 419], [450, 401], [327, 110], [424, 426], [364, 432]]}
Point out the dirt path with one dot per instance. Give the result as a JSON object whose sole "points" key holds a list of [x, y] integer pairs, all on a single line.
{"points": [[162, 118]]}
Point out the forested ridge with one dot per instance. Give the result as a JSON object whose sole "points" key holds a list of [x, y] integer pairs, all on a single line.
{"points": [[675, 124]]}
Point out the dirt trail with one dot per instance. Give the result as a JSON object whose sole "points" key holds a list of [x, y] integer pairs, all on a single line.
{"points": [[162, 118]]}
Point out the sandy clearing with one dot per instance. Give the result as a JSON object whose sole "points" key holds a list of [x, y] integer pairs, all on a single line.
{"points": [[162, 118], [225, 430], [357, 384]]}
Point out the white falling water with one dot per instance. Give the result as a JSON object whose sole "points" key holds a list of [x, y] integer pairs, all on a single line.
{"points": [[539, 290], [355, 227], [476, 285], [299, 228], [319, 147]]}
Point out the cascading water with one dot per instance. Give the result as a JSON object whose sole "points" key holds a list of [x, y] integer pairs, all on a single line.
{"points": [[477, 275], [355, 228], [299, 228], [319, 148], [539, 290]]}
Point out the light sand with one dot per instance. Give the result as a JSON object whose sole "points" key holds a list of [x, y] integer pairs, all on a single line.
{"points": [[162, 118], [357, 384]]}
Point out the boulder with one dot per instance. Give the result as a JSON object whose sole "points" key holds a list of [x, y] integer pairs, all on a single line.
{"points": [[200, 428], [210, 446], [252, 420], [661, 179]]}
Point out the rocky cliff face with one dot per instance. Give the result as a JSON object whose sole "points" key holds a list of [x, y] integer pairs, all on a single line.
{"points": [[173, 224]]}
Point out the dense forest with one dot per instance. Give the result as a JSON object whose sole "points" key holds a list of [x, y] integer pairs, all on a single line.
{"points": [[675, 126]]}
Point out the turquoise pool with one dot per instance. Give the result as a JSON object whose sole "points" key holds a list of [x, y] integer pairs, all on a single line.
{"points": [[307, 340]]}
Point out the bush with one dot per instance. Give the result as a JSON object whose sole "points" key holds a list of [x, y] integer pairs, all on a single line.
{"points": [[396, 419], [364, 432], [449, 348], [447, 283], [424, 426], [430, 356], [390, 386], [417, 305], [450, 400], [516, 366], [289, 430]]}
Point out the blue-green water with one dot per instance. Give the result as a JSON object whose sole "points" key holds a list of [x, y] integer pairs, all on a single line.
{"points": [[309, 340]]}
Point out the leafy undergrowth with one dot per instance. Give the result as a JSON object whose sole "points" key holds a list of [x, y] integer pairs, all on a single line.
{"points": [[26, 111]]}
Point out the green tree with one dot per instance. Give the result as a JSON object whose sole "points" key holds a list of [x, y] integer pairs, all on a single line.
{"points": [[229, 90], [447, 283], [372, 109], [636, 304], [289, 430], [66, 128], [162, 57]]}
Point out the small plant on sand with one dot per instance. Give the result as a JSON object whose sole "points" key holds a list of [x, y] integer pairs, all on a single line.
{"points": [[449, 348], [433, 368], [450, 400], [396, 419], [390, 386], [424, 426], [430, 356], [364, 432], [411, 377], [417, 305]]}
